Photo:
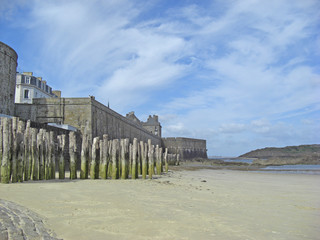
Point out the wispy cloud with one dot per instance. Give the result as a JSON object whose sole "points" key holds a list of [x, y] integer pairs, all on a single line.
{"points": [[242, 74]]}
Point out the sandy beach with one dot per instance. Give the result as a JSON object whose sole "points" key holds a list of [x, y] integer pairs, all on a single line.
{"points": [[201, 204]]}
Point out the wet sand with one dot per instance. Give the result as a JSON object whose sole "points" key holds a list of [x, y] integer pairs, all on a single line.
{"points": [[200, 204]]}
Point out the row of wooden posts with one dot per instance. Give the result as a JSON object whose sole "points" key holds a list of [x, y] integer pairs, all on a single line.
{"points": [[30, 154]]}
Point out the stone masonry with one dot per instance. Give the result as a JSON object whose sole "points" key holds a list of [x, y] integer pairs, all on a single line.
{"points": [[188, 148], [78, 112], [8, 67]]}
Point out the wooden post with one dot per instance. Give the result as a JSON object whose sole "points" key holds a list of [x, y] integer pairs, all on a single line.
{"points": [[143, 151], [27, 155], [20, 151], [165, 158], [52, 155], [178, 160], [11, 139], [61, 147], [158, 159], [73, 155], [109, 158], [124, 158], [161, 159], [14, 126], [1, 148], [84, 155], [151, 161], [134, 173], [94, 168], [34, 155], [139, 159], [6, 131], [47, 157], [114, 159], [14, 161], [104, 157], [41, 147], [130, 159]]}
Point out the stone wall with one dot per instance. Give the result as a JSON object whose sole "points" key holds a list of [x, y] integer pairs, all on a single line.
{"points": [[8, 69], [105, 120], [78, 112], [188, 148]]}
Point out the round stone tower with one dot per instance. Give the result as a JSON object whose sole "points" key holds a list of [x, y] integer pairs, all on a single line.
{"points": [[8, 69]]}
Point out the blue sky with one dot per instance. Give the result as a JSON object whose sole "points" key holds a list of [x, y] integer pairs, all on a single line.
{"points": [[240, 74]]}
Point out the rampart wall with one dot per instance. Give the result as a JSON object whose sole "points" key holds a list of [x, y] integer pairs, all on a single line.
{"points": [[78, 112], [188, 148], [8, 69]]}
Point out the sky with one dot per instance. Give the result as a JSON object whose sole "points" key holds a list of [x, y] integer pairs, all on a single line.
{"points": [[241, 74]]}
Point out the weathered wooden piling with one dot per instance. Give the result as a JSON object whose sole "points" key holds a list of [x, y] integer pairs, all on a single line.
{"points": [[104, 157], [161, 159], [14, 160], [143, 151], [130, 159], [20, 151], [114, 158], [95, 155], [109, 158], [34, 154], [1, 148], [40, 145], [11, 138], [52, 155], [61, 149], [178, 159], [5, 164], [124, 158], [134, 170], [84, 155], [151, 161], [14, 126], [158, 159], [27, 155], [139, 159], [47, 157], [73, 155], [165, 159]]}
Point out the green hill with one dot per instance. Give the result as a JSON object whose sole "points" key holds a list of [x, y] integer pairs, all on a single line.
{"points": [[303, 154]]}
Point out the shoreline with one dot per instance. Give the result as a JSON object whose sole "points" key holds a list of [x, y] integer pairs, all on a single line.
{"points": [[200, 204]]}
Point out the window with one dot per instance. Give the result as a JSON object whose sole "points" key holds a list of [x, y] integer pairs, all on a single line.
{"points": [[28, 80], [26, 93]]}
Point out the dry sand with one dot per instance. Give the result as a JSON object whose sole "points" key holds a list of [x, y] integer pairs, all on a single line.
{"points": [[202, 204]]}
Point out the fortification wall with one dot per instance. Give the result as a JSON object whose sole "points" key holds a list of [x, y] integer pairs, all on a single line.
{"points": [[78, 112], [105, 120], [188, 148], [8, 69]]}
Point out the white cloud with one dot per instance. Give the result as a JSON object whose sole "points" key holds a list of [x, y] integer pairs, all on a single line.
{"points": [[239, 73]]}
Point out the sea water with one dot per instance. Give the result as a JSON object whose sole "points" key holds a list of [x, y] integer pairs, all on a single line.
{"points": [[238, 160], [299, 169]]}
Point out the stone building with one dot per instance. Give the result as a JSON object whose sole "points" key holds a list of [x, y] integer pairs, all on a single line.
{"points": [[81, 113], [8, 68], [29, 87], [153, 125]]}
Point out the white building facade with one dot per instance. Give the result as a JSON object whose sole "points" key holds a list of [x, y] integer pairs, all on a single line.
{"points": [[29, 87]]}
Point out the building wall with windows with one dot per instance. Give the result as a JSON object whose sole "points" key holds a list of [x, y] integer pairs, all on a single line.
{"points": [[29, 87]]}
